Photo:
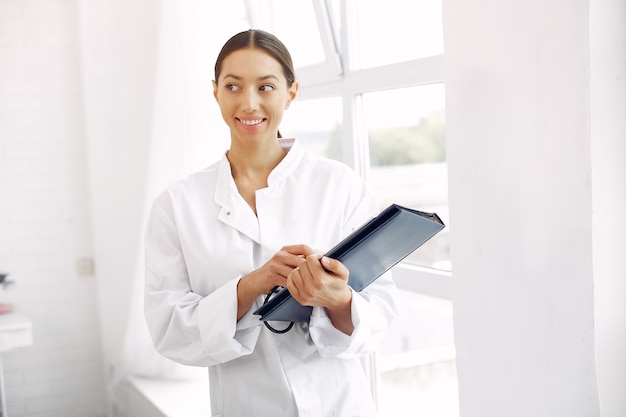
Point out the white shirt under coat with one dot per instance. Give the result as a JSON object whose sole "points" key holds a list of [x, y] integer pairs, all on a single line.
{"points": [[202, 237]]}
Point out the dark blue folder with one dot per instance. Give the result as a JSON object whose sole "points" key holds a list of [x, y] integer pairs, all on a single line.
{"points": [[368, 252]]}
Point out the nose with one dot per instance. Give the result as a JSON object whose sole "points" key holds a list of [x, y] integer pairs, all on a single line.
{"points": [[250, 100]]}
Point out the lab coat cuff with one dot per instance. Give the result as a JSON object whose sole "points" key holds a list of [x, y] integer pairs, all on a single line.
{"points": [[333, 342], [218, 318], [249, 320]]}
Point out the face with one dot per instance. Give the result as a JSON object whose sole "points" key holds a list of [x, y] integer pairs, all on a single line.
{"points": [[252, 93]]}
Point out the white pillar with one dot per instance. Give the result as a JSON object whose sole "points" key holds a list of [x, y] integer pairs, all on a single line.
{"points": [[608, 152], [518, 133]]}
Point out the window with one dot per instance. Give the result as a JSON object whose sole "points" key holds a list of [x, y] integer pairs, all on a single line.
{"points": [[294, 28], [393, 31], [417, 361], [374, 97], [407, 153], [307, 28], [317, 124]]}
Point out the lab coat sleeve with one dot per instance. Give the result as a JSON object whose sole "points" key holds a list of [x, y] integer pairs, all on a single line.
{"points": [[187, 327], [373, 309]]}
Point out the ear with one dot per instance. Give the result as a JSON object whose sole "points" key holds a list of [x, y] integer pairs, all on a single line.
{"points": [[215, 90], [293, 93]]}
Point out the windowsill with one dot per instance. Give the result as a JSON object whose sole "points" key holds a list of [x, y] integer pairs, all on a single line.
{"points": [[169, 398], [416, 358], [153, 397]]}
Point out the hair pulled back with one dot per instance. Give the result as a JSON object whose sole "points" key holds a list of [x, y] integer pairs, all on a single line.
{"points": [[258, 39]]}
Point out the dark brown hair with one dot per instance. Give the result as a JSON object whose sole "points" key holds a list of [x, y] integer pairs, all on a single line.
{"points": [[258, 39]]}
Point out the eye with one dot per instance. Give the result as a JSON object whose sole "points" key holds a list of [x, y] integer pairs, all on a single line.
{"points": [[267, 88], [232, 87]]}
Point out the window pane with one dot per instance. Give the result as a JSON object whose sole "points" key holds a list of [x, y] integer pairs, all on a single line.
{"points": [[393, 31], [406, 130], [294, 23], [316, 124], [417, 360]]}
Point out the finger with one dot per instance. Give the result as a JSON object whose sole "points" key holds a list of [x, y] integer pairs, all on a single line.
{"points": [[284, 258], [313, 267], [293, 283], [335, 267], [284, 269], [302, 250], [306, 282]]}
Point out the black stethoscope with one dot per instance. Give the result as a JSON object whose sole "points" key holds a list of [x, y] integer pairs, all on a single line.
{"points": [[267, 324]]}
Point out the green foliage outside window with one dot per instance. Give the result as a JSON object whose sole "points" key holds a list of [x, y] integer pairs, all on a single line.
{"points": [[420, 143]]}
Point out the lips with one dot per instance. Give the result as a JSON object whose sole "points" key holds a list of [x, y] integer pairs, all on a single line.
{"points": [[251, 122]]}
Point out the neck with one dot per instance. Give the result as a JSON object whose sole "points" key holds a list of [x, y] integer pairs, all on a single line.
{"points": [[254, 161]]}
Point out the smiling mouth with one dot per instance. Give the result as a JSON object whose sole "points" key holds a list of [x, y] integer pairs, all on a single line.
{"points": [[251, 122]]}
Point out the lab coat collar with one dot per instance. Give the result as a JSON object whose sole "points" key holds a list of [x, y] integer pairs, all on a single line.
{"points": [[234, 211], [290, 162]]}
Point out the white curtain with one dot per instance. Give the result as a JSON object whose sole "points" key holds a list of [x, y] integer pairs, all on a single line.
{"points": [[187, 134]]}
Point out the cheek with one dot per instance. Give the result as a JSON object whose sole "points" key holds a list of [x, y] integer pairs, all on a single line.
{"points": [[277, 114], [226, 105], [279, 106], [226, 113]]}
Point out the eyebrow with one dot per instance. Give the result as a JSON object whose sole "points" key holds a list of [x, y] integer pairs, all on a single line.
{"points": [[263, 78]]}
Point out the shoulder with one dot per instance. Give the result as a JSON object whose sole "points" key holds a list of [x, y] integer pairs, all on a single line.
{"points": [[326, 167], [192, 187], [336, 180]]}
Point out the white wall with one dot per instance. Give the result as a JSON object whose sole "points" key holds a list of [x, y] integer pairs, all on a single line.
{"points": [[522, 194], [118, 51], [608, 150], [44, 213]]}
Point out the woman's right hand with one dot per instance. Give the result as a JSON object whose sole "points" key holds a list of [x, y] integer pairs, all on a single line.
{"points": [[274, 272]]}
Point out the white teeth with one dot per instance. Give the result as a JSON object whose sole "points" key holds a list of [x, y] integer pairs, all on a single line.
{"points": [[251, 122]]}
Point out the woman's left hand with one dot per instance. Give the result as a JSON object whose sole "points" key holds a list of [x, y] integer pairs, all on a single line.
{"points": [[322, 281]]}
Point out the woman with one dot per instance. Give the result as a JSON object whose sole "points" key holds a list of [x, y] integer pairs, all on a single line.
{"points": [[218, 241]]}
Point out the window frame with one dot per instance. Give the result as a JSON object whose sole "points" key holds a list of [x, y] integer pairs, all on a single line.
{"points": [[350, 84], [331, 68]]}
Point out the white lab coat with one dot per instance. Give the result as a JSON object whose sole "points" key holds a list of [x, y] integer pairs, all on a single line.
{"points": [[202, 237]]}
